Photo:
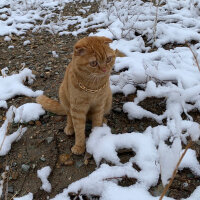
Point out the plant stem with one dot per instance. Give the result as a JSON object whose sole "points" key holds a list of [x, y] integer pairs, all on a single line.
{"points": [[195, 57], [176, 169]]}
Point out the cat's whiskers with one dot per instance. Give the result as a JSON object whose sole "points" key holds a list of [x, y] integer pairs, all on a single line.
{"points": [[93, 79], [90, 79]]}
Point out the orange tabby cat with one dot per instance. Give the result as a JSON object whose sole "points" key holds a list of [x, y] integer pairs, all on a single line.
{"points": [[85, 91]]}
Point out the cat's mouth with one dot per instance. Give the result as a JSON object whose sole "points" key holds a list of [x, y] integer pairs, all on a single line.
{"points": [[104, 73], [104, 70], [100, 75]]}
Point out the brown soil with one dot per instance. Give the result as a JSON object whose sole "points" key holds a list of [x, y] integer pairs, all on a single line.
{"points": [[36, 149]]}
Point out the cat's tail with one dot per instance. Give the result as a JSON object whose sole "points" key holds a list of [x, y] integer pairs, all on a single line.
{"points": [[50, 105]]}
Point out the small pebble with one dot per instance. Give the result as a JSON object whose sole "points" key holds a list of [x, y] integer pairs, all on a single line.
{"points": [[45, 116], [11, 47], [47, 68], [10, 189], [25, 167], [130, 129], [58, 118], [33, 166], [141, 127], [79, 163], [14, 175], [31, 123], [68, 162], [7, 38], [38, 123], [185, 184], [14, 164], [49, 139], [65, 159], [32, 67], [117, 110], [157, 190], [66, 60], [43, 159], [190, 175], [26, 42], [42, 75]]}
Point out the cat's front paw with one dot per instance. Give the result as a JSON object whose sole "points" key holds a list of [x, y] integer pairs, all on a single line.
{"points": [[105, 120], [69, 130], [78, 149]]}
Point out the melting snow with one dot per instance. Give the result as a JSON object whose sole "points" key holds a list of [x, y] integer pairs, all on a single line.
{"points": [[170, 74], [14, 85], [28, 112], [6, 139], [29, 196], [43, 175]]}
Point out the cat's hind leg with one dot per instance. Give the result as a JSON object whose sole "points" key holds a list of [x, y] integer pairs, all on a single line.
{"points": [[97, 115], [108, 104], [105, 120], [78, 114], [69, 129], [107, 107]]}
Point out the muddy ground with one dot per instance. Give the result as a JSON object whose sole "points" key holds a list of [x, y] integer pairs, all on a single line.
{"points": [[45, 143]]}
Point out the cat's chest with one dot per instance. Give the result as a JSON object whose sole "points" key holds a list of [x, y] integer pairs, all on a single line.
{"points": [[88, 98]]}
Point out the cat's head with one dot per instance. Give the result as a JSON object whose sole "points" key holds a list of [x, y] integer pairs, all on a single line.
{"points": [[93, 55]]}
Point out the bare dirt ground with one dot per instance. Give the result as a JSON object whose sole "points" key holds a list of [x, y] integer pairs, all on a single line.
{"points": [[45, 143]]}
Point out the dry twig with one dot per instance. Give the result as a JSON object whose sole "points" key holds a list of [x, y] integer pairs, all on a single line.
{"points": [[9, 123], [156, 21], [176, 169], [194, 55]]}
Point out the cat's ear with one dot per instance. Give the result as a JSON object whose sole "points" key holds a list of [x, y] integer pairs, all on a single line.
{"points": [[106, 40], [79, 50]]}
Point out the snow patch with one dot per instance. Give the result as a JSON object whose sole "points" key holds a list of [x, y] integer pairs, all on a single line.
{"points": [[13, 85], [43, 175], [5, 139], [3, 104], [29, 196], [28, 112], [26, 42]]}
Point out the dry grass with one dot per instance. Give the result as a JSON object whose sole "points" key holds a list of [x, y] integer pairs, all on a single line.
{"points": [[175, 170], [194, 55], [156, 20]]}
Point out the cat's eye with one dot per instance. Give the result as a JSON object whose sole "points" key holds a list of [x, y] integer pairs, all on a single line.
{"points": [[93, 63], [109, 59]]}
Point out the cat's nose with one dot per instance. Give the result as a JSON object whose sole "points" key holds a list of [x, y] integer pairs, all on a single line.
{"points": [[103, 69]]}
